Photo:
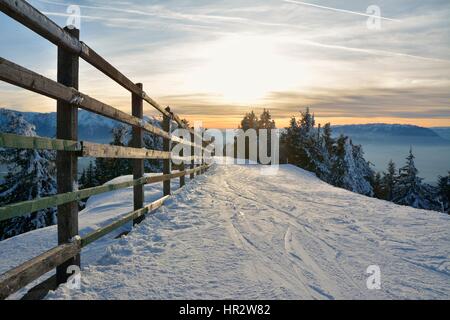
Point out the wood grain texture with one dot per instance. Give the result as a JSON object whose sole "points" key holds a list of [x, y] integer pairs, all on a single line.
{"points": [[137, 141], [8, 140], [15, 279], [27, 79], [97, 150], [67, 161]]}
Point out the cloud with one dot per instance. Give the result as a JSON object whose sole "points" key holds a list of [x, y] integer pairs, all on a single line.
{"points": [[138, 16], [288, 55], [414, 102], [336, 9]]}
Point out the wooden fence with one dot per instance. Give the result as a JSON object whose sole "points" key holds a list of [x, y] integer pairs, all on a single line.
{"points": [[68, 148]]}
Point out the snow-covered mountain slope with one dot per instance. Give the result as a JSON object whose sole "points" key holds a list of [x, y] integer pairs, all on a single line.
{"points": [[235, 233], [444, 132], [91, 127]]}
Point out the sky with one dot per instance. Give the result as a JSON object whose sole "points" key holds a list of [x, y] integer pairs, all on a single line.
{"points": [[216, 60]]}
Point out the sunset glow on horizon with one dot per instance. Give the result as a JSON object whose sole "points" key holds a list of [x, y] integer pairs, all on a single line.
{"points": [[231, 123], [214, 61]]}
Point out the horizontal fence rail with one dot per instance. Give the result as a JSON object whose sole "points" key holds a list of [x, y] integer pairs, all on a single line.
{"points": [[8, 140], [26, 207], [97, 234], [15, 279], [96, 150], [27, 15], [68, 148], [27, 79]]}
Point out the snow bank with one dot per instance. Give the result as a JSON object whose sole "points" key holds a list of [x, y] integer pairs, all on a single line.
{"points": [[237, 234], [100, 211]]}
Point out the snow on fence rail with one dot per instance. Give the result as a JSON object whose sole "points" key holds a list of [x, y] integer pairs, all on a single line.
{"points": [[68, 148]]}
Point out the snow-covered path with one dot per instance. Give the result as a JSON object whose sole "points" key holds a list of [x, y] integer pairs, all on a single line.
{"points": [[235, 233]]}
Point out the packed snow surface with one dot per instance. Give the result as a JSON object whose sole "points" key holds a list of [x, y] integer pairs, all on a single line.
{"points": [[235, 233]]}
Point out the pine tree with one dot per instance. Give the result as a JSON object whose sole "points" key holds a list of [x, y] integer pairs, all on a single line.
{"points": [[444, 192], [339, 166], [31, 175], [250, 121], [265, 121], [349, 168], [82, 182], [153, 142], [92, 176], [319, 161], [328, 140], [408, 189], [338, 162], [120, 135], [377, 184], [306, 141], [290, 143], [323, 153], [108, 169], [388, 181], [307, 121], [360, 173], [298, 142]]}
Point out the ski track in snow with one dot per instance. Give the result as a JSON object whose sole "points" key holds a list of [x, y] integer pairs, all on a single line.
{"points": [[236, 234]]}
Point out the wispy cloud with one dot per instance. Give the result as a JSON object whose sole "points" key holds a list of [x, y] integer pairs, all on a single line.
{"points": [[337, 10], [160, 12], [217, 59], [370, 51], [164, 13]]}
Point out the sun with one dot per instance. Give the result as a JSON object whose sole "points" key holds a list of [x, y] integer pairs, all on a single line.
{"points": [[245, 69]]}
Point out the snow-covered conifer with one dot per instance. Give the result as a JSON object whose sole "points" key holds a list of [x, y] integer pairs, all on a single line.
{"points": [[408, 189], [31, 175]]}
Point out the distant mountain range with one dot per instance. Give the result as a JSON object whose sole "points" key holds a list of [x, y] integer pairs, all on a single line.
{"points": [[444, 132], [394, 134], [383, 142], [91, 127]]}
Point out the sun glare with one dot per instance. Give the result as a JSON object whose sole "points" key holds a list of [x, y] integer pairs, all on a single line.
{"points": [[243, 70]]}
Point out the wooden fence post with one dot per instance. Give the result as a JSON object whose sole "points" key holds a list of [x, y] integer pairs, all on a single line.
{"points": [[137, 141], [198, 161], [203, 157], [167, 164], [192, 155], [67, 162], [182, 168]]}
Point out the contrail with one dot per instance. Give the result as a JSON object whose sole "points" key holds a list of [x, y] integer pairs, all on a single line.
{"points": [[176, 15], [337, 10], [371, 51], [167, 14], [306, 42]]}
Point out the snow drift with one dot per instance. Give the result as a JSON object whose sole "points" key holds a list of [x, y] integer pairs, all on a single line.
{"points": [[236, 234]]}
